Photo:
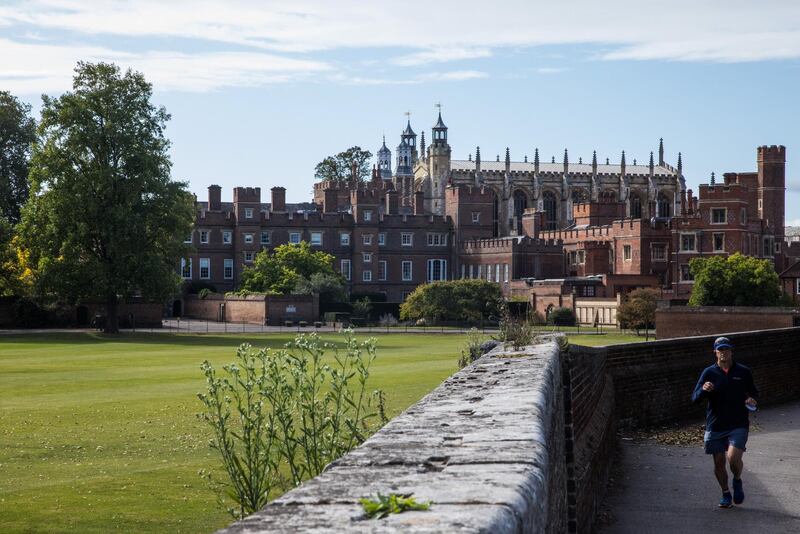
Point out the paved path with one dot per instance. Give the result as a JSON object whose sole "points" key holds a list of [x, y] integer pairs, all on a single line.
{"points": [[671, 488]]}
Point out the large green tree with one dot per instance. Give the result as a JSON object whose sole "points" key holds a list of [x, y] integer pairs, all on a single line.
{"points": [[737, 280], [351, 164], [288, 267], [453, 300], [17, 134], [105, 220]]}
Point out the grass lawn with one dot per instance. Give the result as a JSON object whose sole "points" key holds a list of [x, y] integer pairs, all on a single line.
{"points": [[100, 434]]}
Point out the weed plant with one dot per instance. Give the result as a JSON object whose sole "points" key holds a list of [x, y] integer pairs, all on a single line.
{"points": [[280, 416]]}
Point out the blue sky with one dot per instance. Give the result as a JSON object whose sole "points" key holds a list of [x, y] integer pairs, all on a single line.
{"points": [[259, 92]]}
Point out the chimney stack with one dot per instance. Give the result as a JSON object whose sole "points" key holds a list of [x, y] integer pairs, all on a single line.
{"points": [[330, 199], [214, 198], [278, 199]]}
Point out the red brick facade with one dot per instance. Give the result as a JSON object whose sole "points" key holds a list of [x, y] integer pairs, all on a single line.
{"points": [[383, 246]]}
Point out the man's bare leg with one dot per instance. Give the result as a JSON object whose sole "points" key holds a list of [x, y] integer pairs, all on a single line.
{"points": [[735, 461], [721, 471]]}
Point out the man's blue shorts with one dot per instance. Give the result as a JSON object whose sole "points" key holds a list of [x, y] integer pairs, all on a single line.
{"points": [[717, 442]]}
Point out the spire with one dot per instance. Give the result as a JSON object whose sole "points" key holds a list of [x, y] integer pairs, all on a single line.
{"points": [[422, 145], [508, 160], [594, 161], [622, 163], [713, 179], [477, 158], [470, 156], [566, 161], [553, 159], [536, 160], [580, 160], [526, 158], [608, 161], [661, 151], [651, 162], [680, 165], [498, 157]]}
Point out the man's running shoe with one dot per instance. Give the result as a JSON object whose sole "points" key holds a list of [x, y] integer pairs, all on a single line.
{"points": [[726, 500], [738, 491]]}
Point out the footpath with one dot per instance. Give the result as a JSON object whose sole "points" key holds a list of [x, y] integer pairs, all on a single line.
{"points": [[671, 488]]}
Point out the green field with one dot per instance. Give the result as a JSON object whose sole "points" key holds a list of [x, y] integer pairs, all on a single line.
{"points": [[99, 434]]}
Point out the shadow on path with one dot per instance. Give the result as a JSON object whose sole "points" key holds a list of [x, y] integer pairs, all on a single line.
{"points": [[671, 488]]}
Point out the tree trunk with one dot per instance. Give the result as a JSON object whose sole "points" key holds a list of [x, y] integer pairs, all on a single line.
{"points": [[112, 320]]}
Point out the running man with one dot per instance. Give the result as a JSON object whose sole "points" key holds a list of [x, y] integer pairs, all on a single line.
{"points": [[731, 393]]}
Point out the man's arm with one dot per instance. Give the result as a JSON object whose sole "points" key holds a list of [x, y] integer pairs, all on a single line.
{"points": [[751, 388], [698, 393]]}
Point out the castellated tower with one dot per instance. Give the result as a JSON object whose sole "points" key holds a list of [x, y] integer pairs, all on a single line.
{"points": [[438, 166], [772, 188]]}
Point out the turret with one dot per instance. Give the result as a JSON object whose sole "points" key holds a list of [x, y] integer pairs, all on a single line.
{"points": [[385, 161]]}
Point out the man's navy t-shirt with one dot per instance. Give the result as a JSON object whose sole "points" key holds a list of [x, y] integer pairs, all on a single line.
{"points": [[726, 409]]}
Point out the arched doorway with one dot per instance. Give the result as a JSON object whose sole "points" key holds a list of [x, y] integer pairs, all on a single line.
{"points": [[177, 308], [550, 209]]}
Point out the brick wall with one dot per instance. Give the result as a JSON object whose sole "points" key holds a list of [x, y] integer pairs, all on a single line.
{"points": [[683, 321], [653, 381], [253, 309], [589, 430]]}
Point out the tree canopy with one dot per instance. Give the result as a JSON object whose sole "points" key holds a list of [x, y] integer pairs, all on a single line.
{"points": [[351, 164], [105, 220], [638, 309], [287, 267], [453, 300], [17, 134], [737, 280]]}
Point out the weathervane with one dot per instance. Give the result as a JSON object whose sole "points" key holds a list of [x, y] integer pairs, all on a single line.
{"points": [[438, 105]]}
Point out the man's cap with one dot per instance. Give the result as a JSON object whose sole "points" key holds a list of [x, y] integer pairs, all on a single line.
{"points": [[722, 343]]}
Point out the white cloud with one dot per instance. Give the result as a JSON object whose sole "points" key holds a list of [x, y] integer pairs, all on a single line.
{"points": [[36, 68], [550, 70], [215, 43], [454, 76], [712, 30], [441, 55]]}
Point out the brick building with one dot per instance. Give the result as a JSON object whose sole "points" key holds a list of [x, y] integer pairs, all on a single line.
{"points": [[437, 219]]}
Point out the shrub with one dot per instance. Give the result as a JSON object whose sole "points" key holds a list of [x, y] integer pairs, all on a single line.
{"points": [[194, 287], [562, 317], [516, 332], [203, 293], [453, 300], [286, 411], [388, 319], [361, 308]]}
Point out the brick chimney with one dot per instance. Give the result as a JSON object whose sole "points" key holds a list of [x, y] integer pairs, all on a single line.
{"points": [[214, 198], [278, 199], [532, 222], [419, 203], [392, 203], [330, 201]]}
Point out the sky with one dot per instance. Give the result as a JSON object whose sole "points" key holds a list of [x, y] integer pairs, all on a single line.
{"points": [[261, 91]]}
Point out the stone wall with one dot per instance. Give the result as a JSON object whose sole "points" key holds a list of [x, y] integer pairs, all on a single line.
{"points": [[653, 381], [684, 321], [487, 447]]}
